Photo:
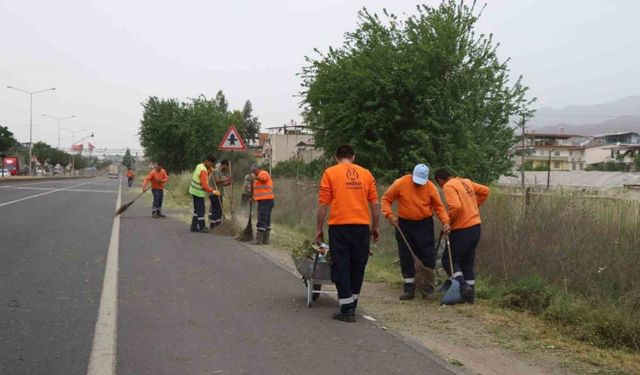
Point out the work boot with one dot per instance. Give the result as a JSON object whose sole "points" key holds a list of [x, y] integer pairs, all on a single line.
{"points": [[212, 226], [161, 215], [259, 238], [266, 237], [194, 230], [468, 293], [205, 230], [409, 292], [347, 313], [154, 215]]}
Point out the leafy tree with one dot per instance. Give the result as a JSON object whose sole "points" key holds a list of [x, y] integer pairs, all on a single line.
{"points": [[221, 101], [59, 157], [636, 161], [41, 151], [127, 159], [250, 122], [181, 134], [427, 89], [7, 141], [81, 162]]}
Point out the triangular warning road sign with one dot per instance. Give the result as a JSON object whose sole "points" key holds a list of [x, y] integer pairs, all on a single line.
{"points": [[232, 141]]}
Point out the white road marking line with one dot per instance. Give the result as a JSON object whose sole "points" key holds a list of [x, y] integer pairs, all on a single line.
{"points": [[103, 352], [39, 195], [48, 189], [36, 183]]}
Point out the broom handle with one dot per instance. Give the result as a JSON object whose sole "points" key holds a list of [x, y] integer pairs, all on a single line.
{"points": [[450, 257], [215, 184], [415, 258], [170, 192], [139, 195]]}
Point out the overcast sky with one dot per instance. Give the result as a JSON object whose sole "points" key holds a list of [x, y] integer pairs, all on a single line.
{"points": [[106, 57]]}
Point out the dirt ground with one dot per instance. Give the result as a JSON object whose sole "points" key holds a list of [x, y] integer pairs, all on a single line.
{"points": [[461, 335]]}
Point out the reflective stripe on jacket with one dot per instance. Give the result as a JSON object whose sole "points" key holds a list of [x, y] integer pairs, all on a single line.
{"points": [[263, 187], [196, 188]]}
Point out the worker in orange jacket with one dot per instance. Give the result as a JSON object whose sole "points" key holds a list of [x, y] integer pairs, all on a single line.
{"points": [[350, 191], [417, 199], [263, 194], [130, 176], [464, 198], [158, 178]]}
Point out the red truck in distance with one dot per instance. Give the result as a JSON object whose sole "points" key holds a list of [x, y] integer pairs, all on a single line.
{"points": [[12, 164]]}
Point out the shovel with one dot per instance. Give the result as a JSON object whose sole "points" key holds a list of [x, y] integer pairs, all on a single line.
{"points": [[452, 296]]}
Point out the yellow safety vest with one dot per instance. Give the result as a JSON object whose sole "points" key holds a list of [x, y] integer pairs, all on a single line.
{"points": [[195, 188]]}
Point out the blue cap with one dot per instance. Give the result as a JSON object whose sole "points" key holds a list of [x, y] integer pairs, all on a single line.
{"points": [[421, 174]]}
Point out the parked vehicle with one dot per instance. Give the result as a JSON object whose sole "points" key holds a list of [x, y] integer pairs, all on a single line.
{"points": [[12, 164], [5, 173]]}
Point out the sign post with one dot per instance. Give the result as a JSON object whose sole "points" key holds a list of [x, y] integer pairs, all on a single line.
{"points": [[232, 141]]}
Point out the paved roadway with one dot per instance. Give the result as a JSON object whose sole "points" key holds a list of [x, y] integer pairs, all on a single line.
{"points": [[187, 303]]}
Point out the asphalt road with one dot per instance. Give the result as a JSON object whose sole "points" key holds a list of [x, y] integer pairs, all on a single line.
{"points": [[52, 248], [187, 303]]}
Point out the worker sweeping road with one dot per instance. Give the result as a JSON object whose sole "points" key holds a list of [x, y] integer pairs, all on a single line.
{"points": [[130, 176], [418, 199], [263, 194], [218, 180], [198, 189], [350, 191], [158, 177], [464, 198]]}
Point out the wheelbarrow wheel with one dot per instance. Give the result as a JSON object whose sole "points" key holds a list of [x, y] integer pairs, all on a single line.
{"points": [[316, 288]]}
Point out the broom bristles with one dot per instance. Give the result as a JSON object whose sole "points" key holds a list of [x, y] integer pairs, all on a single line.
{"points": [[123, 208], [247, 234]]}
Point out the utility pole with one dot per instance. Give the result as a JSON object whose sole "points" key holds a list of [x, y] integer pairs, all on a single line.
{"points": [[549, 168], [522, 123], [31, 93]]}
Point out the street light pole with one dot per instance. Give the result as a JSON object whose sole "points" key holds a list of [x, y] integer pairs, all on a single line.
{"points": [[59, 119], [31, 93]]}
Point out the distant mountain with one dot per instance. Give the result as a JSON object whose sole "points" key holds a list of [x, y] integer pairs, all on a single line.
{"points": [[618, 116], [619, 124], [587, 114]]}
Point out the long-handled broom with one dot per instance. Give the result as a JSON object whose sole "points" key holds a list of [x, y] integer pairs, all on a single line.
{"points": [[247, 234], [125, 206], [425, 276]]}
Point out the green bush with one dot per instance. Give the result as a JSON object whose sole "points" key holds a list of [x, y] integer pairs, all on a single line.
{"points": [[531, 294]]}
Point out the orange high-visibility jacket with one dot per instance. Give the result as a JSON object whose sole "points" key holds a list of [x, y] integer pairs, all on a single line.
{"points": [[348, 189], [464, 198], [158, 179], [130, 173], [263, 187], [415, 202]]}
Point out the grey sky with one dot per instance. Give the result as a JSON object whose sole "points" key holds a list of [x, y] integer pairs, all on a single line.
{"points": [[106, 57]]}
